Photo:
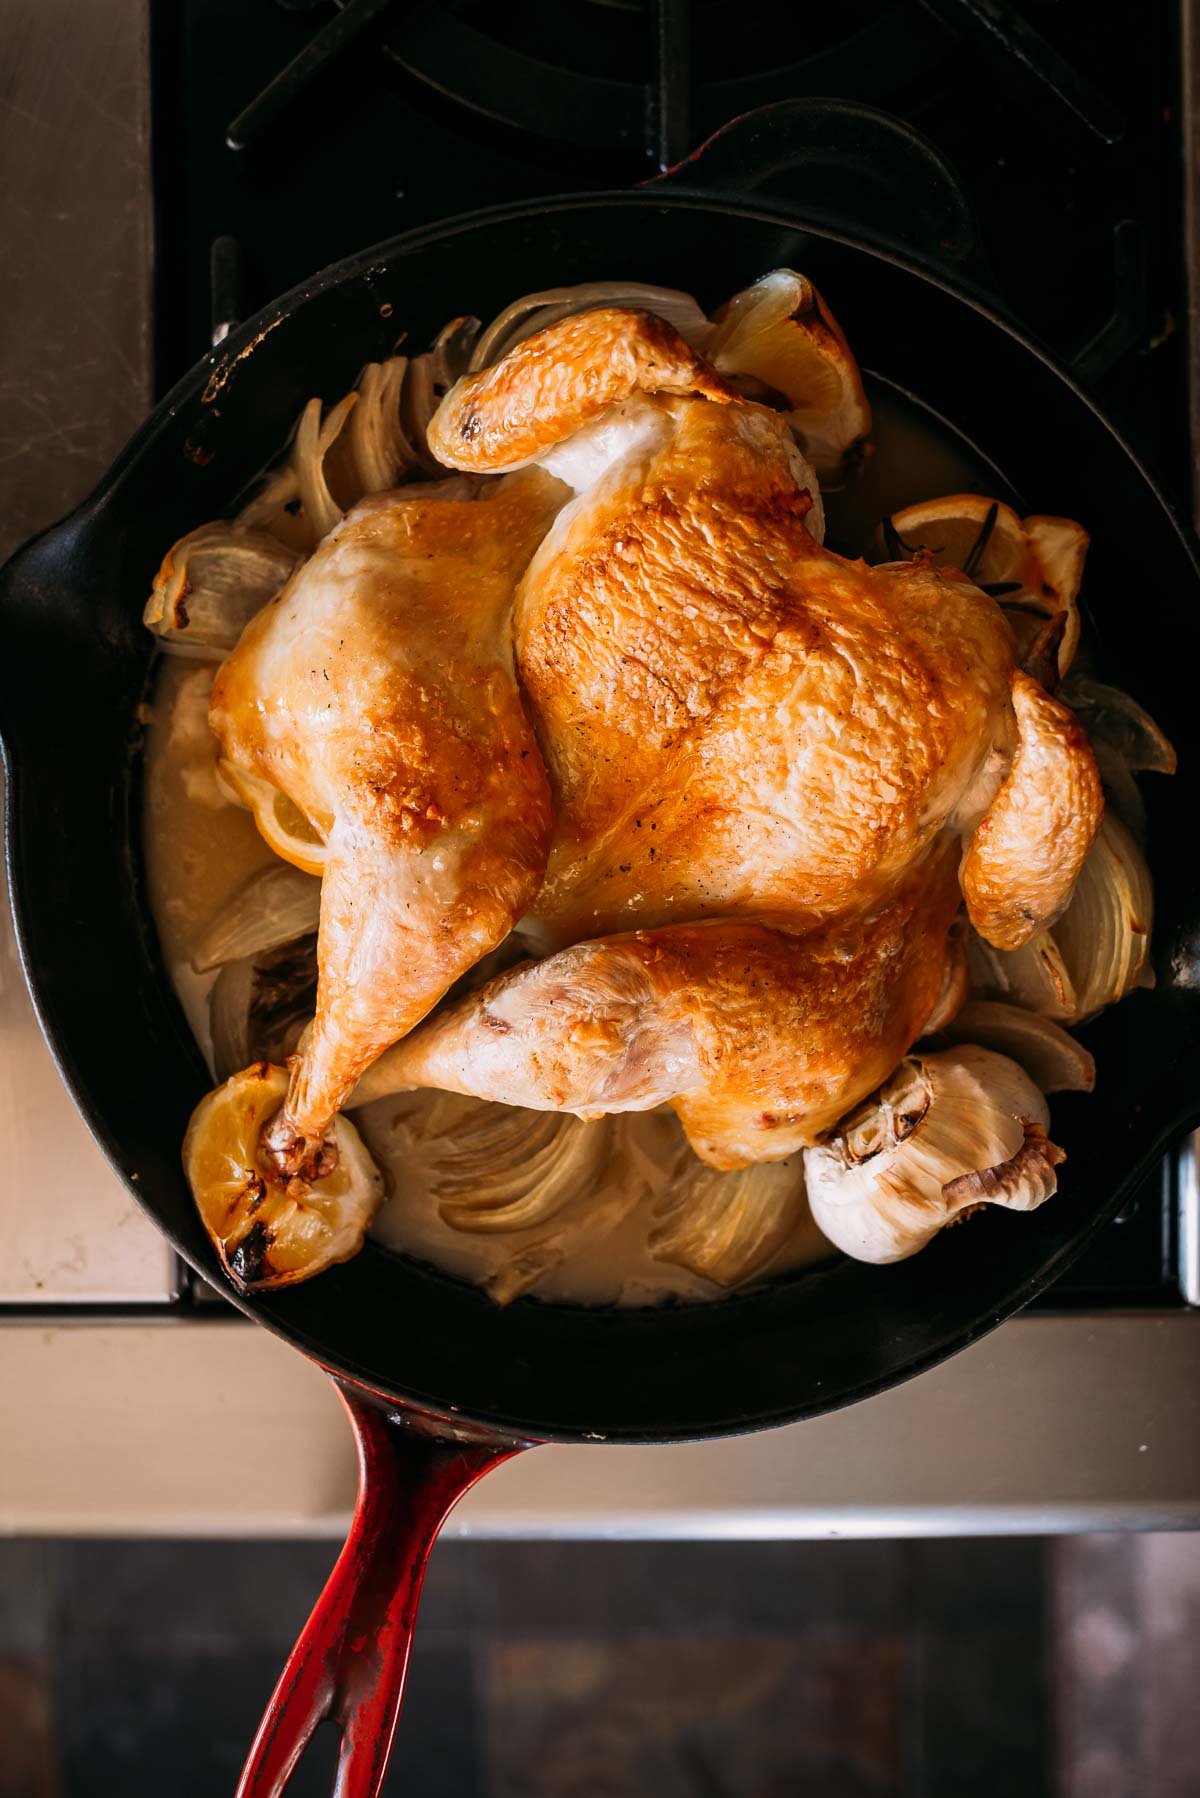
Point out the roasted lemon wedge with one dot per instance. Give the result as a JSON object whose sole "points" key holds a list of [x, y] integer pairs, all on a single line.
{"points": [[281, 824], [1034, 566], [781, 332], [271, 1231]]}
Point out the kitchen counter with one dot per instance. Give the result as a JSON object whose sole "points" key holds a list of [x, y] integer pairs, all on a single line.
{"points": [[217, 1429], [206, 1426]]}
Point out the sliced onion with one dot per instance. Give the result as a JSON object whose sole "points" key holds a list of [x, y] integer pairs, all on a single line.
{"points": [[728, 1227], [275, 907], [1112, 717], [314, 439], [259, 1007], [1104, 934], [229, 1002], [1122, 794], [537, 311], [211, 584], [380, 452], [1034, 976], [1043, 1048], [494, 1167], [576, 1230], [430, 378]]}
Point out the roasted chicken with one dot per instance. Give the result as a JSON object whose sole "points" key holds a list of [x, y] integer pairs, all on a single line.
{"points": [[719, 777]]}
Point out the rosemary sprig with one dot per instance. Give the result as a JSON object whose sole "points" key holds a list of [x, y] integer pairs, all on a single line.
{"points": [[897, 548], [981, 542]]}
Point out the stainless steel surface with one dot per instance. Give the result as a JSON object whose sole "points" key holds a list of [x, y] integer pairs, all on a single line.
{"points": [[1188, 1188], [1050, 1424], [1190, 102]]}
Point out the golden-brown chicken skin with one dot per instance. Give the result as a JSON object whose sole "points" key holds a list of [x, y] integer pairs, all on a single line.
{"points": [[377, 692], [755, 763], [735, 719], [760, 1038]]}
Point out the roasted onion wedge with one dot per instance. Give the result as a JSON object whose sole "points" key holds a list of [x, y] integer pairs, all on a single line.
{"points": [[1104, 934], [211, 584], [271, 1232], [947, 1132], [727, 1227], [1043, 1048]]}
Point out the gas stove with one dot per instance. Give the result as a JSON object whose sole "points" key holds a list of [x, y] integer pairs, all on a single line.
{"points": [[286, 134]]}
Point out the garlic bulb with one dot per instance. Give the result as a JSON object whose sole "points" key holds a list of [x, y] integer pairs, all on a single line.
{"points": [[779, 332], [1104, 934], [1043, 1048], [537, 311], [274, 907], [728, 1227], [211, 584], [947, 1132]]}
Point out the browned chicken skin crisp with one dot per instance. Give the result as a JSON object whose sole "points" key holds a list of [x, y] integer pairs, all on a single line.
{"points": [[762, 760]]}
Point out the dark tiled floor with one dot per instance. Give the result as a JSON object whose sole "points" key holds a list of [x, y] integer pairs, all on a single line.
{"points": [[691, 1670]]}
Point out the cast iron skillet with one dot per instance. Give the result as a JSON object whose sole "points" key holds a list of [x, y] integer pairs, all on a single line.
{"points": [[440, 1383]]}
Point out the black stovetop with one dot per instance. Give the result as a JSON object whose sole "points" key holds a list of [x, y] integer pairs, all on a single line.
{"points": [[1061, 121]]}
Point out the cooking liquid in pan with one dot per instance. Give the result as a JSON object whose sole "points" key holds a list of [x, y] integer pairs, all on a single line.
{"points": [[200, 849]]}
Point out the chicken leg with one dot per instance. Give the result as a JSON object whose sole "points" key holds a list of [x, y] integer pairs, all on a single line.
{"points": [[377, 692], [759, 1038]]}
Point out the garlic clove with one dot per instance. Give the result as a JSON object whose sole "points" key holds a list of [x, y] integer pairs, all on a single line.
{"points": [[1104, 934], [728, 1227], [270, 1231], [274, 907], [211, 584], [947, 1132], [1043, 1048], [780, 333]]}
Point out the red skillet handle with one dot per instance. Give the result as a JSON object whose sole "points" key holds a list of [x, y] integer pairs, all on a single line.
{"points": [[352, 1657]]}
